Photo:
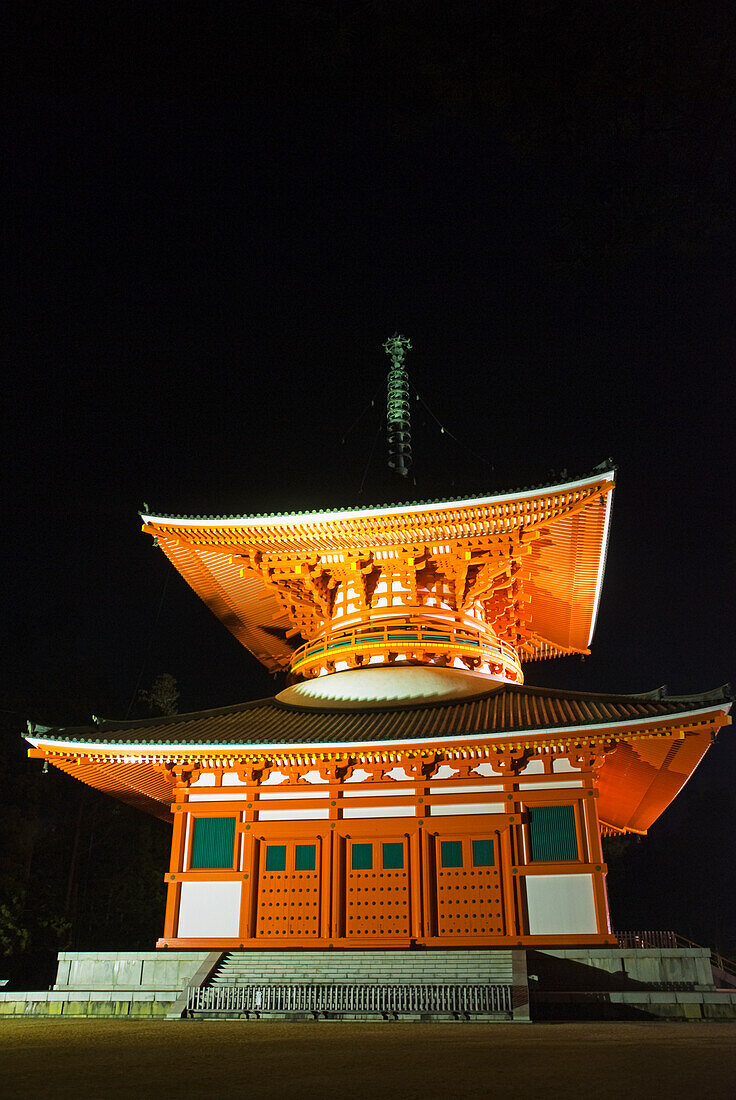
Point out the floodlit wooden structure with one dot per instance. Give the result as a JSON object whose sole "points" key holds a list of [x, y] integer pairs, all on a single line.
{"points": [[406, 787]]}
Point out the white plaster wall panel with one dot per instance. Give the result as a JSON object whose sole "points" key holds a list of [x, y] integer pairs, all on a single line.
{"points": [[360, 774], [453, 788], [230, 779], [379, 811], [551, 785], [467, 808], [391, 793], [398, 774], [444, 772], [563, 765], [293, 815], [282, 796], [560, 904], [218, 796], [205, 780], [209, 909], [534, 767]]}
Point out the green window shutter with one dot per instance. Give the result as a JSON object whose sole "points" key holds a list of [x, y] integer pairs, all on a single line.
{"points": [[393, 856], [304, 857], [362, 857], [452, 853], [276, 857], [483, 853], [552, 833], [213, 842]]}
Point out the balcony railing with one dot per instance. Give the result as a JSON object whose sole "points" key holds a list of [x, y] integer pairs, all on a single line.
{"points": [[454, 641]]}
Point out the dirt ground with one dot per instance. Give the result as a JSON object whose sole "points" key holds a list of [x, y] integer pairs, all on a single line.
{"points": [[142, 1058]]}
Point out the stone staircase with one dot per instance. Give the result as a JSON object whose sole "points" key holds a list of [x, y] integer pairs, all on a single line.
{"points": [[435, 984]]}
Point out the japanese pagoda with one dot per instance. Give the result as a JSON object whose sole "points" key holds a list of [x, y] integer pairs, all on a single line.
{"points": [[407, 788]]}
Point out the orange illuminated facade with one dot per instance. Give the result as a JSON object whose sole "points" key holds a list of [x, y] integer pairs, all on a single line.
{"points": [[406, 787]]}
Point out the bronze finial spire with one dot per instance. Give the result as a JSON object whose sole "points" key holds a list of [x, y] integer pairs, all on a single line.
{"points": [[398, 415]]}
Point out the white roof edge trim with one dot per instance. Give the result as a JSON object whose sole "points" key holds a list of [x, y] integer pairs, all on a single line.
{"points": [[362, 513], [601, 565], [360, 746]]}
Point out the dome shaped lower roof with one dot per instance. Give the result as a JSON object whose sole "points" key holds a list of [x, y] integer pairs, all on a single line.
{"points": [[387, 686]]}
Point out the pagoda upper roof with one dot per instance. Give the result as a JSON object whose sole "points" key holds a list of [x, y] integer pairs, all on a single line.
{"points": [[560, 529], [360, 511]]}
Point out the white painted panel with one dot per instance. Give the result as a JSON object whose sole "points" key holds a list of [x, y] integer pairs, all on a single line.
{"points": [[551, 785], [282, 796], [398, 774], [444, 772], [379, 794], [230, 779], [209, 909], [380, 811], [293, 815], [534, 767], [468, 808], [206, 780], [454, 788], [563, 766], [560, 904], [486, 769], [218, 796], [314, 777], [274, 779], [360, 774]]}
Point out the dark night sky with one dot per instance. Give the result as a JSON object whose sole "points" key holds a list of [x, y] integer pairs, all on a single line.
{"points": [[207, 246]]}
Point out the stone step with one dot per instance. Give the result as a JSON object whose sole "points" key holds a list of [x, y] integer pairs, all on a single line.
{"points": [[392, 967]]}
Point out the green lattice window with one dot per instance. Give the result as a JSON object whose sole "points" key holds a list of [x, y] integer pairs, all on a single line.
{"points": [[452, 853], [276, 857], [304, 857], [483, 853], [393, 856], [552, 833], [213, 842], [362, 857]]}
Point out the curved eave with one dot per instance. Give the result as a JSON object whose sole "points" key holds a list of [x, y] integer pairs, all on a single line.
{"points": [[348, 515], [650, 763], [566, 563]]}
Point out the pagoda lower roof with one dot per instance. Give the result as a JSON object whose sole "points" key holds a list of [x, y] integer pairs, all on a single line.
{"points": [[269, 723], [651, 742]]}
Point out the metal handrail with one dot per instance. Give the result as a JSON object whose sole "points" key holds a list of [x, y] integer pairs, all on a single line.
{"points": [[650, 939], [360, 997], [654, 939]]}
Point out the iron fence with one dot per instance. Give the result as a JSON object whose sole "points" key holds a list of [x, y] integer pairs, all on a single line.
{"points": [[329, 998], [653, 940]]}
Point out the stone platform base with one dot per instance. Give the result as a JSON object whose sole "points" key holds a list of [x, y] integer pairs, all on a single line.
{"points": [[109, 983], [85, 1002], [598, 983], [563, 983]]}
